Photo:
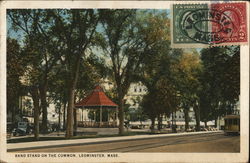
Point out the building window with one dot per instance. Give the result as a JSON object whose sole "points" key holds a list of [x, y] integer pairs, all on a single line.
{"points": [[140, 90], [135, 89]]}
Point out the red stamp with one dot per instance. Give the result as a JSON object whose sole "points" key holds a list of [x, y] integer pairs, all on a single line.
{"points": [[232, 28]]}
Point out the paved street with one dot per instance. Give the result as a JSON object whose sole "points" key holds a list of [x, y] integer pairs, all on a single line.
{"points": [[212, 142]]}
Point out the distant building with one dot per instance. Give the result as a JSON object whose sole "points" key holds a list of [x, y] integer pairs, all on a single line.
{"points": [[135, 94], [26, 111]]}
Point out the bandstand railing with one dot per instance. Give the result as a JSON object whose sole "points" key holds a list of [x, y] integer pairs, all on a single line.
{"points": [[90, 124]]}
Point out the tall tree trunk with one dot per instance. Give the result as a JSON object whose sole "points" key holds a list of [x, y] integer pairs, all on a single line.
{"points": [[205, 123], [121, 114], [64, 115], [75, 121], [152, 124], [74, 65], [71, 97], [172, 121], [43, 95], [59, 116], [59, 120], [13, 109], [186, 110], [215, 121], [35, 97], [159, 126], [69, 125], [197, 117]]}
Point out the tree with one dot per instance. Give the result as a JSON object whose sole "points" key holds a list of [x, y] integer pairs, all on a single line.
{"points": [[20, 73], [187, 72], [135, 114], [220, 81], [122, 39], [156, 73], [74, 29], [15, 69], [161, 100], [56, 37], [35, 96], [148, 108], [58, 92], [40, 46], [30, 80]]}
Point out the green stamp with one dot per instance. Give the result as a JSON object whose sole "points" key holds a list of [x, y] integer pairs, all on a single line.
{"points": [[185, 25]]}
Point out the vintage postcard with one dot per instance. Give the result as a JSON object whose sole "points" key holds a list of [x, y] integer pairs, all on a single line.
{"points": [[124, 81]]}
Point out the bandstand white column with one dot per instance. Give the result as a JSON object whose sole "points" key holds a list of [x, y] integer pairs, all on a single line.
{"points": [[116, 116], [101, 116]]}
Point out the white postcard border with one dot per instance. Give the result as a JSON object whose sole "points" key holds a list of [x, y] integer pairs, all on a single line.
{"points": [[123, 157]]}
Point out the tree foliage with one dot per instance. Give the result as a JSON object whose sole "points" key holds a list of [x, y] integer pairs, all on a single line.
{"points": [[157, 73], [220, 81], [15, 69], [63, 53], [125, 41], [187, 73]]}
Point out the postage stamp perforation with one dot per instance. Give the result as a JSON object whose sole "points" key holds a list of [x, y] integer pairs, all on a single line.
{"points": [[226, 45]]}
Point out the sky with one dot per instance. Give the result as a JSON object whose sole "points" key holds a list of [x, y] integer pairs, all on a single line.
{"points": [[19, 35]]}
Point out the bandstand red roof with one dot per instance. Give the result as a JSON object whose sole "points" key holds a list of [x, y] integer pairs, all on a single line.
{"points": [[96, 98]]}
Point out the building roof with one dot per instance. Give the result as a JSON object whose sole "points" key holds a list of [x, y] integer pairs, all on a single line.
{"points": [[97, 98]]}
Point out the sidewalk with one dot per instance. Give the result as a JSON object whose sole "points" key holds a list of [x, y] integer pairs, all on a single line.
{"points": [[11, 147], [58, 134]]}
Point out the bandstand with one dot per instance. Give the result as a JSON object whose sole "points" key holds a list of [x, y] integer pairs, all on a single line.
{"points": [[98, 101]]}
